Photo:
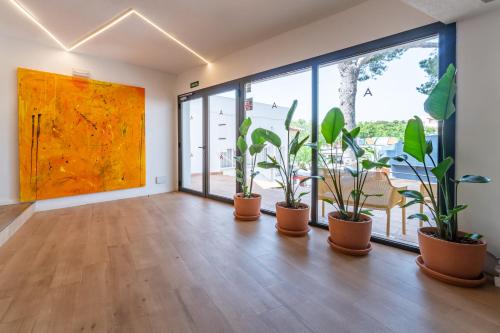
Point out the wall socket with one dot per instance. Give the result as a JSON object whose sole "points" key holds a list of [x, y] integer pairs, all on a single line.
{"points": [[161, 180]]}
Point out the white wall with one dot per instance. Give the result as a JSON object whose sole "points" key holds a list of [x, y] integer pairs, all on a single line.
{"points": [[368, 21], [160, 116], [478, 121]]}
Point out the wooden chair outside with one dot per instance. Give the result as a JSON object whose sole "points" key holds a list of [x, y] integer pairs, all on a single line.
{"points": [[376, 183], [427, 199]]}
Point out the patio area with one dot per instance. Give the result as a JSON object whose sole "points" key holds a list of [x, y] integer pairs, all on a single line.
{"points": [[222, 185]]}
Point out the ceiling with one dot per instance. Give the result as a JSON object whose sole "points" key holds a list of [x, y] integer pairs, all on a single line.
{"points": [[211, 28], [448, 11]]}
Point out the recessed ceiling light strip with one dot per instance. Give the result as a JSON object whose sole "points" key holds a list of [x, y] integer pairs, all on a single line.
{"points": [[100, 30], [33, 19], [170, 36], [105, 27]]}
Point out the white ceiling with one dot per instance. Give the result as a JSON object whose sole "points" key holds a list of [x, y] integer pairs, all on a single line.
{"points": [[448, 11], [213, 28]]}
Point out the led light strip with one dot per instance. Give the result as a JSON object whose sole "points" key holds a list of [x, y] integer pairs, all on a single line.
{"points": [[105, 27]]}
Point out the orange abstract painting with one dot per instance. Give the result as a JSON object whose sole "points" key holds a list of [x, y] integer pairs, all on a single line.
{"points": [[78, 136]]}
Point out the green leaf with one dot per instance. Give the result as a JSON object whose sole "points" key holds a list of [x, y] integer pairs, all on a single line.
{"points": [[473, 236], [261, 136], [295, 140], [440, 170], [400, 158], [366, 212], [245, 125], [474, 179], [412, 194], [256, 148], [268, 165], [349, 141], [381, 163], [303, 193], [353, 172], [332, 125], [419, 216], [415, 144], [305, 179], [353, 134], [294, 149], [429, 149], [272, 159], [330, 201], [242, 145], [411, 203], [456, 209], [289, 116], [440, 103]]}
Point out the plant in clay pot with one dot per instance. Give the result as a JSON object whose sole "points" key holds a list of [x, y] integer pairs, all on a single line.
{"points": [[447, 253], [350, 224], [246, 203], [292, 215]]}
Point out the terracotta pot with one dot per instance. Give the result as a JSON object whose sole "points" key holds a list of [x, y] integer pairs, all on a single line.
{"points": [[464, 261], [348, 234], [247, 208], [292, 219]]}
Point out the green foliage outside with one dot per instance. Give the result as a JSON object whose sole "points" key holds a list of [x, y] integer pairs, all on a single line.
{"points": [[369, 129], [384, 128]]}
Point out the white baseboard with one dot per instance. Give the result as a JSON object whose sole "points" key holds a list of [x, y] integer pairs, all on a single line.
{"points": [[19, 221], [51, 204]]}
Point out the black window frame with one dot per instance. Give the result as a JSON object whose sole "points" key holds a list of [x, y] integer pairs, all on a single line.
{"points": [[447, 55]]}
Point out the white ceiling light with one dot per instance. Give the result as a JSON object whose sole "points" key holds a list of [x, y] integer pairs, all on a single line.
{"points": [[103, 28]]}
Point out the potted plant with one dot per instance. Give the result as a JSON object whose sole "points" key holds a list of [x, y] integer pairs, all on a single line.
{"points": [[292, 215], [350, 224], [246, 203], [447, 253]]}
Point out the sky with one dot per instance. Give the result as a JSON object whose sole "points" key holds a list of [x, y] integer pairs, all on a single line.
{"points": [[394, 95]]}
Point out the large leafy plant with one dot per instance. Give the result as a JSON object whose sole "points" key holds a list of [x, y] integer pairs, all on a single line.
{"points": [[284, 163], [443, 203], [335, 135], [253, 150]]}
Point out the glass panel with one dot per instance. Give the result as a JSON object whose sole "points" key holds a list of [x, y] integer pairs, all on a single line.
{"points": [[267, 102], [379, 92], [192, 144], [222, 122]]}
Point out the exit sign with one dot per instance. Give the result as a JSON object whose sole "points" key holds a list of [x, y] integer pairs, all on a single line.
{"points": [[194, 84]]}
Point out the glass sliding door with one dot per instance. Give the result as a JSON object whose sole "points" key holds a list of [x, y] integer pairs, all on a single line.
{"points": [[222, 143], [267, 102], [379, 92], [192, 144]]}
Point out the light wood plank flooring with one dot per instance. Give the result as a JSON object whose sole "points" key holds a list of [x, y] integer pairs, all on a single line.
{"points": [[179, 263]]}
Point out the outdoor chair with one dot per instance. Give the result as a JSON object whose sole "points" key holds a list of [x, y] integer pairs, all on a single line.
{"points": [[376, 183], [427, 199]]}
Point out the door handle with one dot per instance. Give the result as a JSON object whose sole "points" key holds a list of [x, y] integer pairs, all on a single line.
{"points": [[201, 147]]}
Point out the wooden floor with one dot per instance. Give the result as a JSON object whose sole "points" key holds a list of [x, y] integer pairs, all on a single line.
{"points": [[179, 263], [8, 213]]}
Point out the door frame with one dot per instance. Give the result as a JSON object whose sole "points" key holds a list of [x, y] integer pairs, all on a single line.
{"points": [[204, 94]]}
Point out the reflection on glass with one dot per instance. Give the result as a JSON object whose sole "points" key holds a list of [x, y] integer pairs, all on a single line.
{"points": [[379, 92], [267, 103], [222, 122], [192, 144]]}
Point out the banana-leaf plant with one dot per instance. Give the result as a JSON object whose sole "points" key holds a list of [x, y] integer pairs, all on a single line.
{"points": [[335, 134], [241, 161], [440, 106], [284, 163]]}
